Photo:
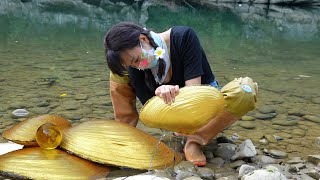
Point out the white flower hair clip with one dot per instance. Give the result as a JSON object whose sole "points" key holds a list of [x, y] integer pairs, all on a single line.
{"points": [[159, 53]]}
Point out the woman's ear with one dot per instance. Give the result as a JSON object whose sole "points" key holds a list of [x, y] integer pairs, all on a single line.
{"points": [[144, 39]]}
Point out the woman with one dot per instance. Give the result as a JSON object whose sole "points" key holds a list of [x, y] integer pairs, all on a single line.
{"points": [[144, 64]]}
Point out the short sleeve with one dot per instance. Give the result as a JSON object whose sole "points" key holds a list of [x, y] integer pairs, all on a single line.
{"points": [[192, 53]]}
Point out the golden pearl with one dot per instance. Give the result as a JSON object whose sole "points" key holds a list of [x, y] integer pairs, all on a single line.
{"points": [[48, 136]]}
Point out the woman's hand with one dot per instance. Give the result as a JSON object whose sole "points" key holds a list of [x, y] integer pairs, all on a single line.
{"points": [[167, 93]]}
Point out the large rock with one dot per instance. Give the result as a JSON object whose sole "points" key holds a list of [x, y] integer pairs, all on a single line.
{"points": [[245, 150]]}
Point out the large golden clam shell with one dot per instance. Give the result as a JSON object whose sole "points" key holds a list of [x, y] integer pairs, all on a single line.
{"points": [[25, 132], [38, 163], [193, 107], [116, 143]]}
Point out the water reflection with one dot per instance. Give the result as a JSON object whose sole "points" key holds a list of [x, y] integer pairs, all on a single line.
{"points": [[277, 46]]}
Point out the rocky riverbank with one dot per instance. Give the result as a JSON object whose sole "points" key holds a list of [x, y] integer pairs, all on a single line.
{"points": [[229, 161]]}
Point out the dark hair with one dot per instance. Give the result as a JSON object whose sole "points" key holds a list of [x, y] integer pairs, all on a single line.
{"points": [[125, 36]]}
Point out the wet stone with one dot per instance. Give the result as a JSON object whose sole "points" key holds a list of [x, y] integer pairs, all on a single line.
{"points": [[247, 125], [296, 167], [278, 153], [314, 159], [18, 105], [208, 154], [292, 117], [236, 164], [314, 174], [186, 175], [71, 105], [292, 141], [247, 118], [316, 100], [43, 104], [263, 160], [101, 93], [296, 113], [266, 109], [225, 151], [218, 161], [245, 169], [81, 97], [317, 141], [284, 135], [296, 160], [184, 166], [299, 132], [40, 110], [192, 178], [265, 116], [278, 127], [270, 138], [245, 150], [312, 118], [284, 122], [205, 173], [70, 115]]}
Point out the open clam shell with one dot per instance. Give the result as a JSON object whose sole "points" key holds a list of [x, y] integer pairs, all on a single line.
{"points": [[38, 163], [116, 143], [25, 132], [193, 107]]}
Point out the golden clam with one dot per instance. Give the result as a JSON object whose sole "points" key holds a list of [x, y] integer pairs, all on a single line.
{"points": [[25, 132], [193, 107], [38, 163], [116, 143]]}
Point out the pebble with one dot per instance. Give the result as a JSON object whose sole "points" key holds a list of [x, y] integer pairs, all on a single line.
{"points": [[266, 109], [299, 132], [20, 112], [185, 166], [43, 104], [218, 161], [208, 154], [312, 118], [296, 160], [236, 164], [316, 100], [71, 115], [247, 125], [205, 173], [265, 116], [278, 153], [292, 117], [284, 135], [317, 141], [314, 159], [81, 97], [285, 122], [245, 169], [292, 141], [296, 112], [40, 110], [270, 138], [263, 160], [247, 118]]}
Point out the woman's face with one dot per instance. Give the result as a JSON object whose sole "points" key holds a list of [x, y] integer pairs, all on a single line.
{"points": [[132, 57]]}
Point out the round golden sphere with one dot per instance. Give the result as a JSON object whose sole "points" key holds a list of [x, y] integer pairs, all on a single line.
{"points": [[48, 136]]}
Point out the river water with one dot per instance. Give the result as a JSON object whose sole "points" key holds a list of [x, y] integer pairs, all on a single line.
{"points": [[52, 62]]}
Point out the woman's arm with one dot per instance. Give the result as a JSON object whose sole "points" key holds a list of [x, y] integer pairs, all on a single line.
{"points": [[169, 92], [123, 100]]}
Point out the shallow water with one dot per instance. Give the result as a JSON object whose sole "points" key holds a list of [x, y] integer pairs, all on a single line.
{"points": [[52, 61]]}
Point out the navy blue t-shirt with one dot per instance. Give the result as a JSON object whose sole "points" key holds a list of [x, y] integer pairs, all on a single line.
{"points": [[188, 61]]}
